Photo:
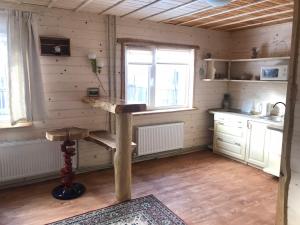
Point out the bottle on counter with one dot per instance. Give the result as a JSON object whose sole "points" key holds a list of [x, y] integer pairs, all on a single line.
{"points": [[226, 104]]}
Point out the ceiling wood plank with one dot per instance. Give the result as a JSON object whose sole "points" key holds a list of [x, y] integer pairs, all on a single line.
{"points": [[261, 23], [224, 12], [170, 9], [112, 6], [191, 13], [52, 2], [245, 14], [82, 5], [253, 18], [186, 14], [143, 7]]}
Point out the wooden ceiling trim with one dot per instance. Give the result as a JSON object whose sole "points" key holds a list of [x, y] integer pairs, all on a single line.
{"points": [[82, 5], [170, 9], [52, 2], [274, 21], [245, 14], [140, 8], [223, 12], [253, 18], [112, 6]]}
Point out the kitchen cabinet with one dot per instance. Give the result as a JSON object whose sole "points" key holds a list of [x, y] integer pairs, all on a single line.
{"points": [[248, 140], [256, 153], [230, 136], [273, 148]]}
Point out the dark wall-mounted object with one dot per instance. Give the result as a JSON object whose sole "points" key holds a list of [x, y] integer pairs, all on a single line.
{"points": [[54, 46], [93, 92]]}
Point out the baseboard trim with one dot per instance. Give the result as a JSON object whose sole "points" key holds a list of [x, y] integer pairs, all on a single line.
{"points": [[171, 153]]}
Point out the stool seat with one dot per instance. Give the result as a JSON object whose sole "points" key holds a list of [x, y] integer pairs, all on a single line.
{"points": [[68, 189], [72, 133]]}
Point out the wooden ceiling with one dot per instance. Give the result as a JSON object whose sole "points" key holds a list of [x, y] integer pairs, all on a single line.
{"points": [[237, 15]]}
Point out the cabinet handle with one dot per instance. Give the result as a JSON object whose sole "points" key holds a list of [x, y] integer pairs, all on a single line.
{"points": [[249, 125], [221, 123], [238, 144]]}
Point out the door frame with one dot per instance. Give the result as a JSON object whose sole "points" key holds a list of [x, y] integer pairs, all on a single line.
{"points": [[285, 170]]}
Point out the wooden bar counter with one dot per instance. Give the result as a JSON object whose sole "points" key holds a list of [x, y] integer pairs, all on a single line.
{"points": [[123, 153]]}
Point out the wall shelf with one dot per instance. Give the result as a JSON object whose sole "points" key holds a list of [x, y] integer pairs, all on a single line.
{"points": [[247, 81], [248, 60], [216, 80], [221, 69]]}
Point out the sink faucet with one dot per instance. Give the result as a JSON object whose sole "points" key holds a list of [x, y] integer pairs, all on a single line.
{"points": [[279, 103]]}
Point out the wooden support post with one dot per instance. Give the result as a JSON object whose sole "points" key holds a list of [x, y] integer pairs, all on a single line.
{"points": [[122, 157]]}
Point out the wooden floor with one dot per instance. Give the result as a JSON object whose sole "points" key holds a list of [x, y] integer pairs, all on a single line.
{"points": [[201, 188]]}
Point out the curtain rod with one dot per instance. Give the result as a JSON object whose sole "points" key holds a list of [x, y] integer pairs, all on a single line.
{"points": [[150, 42]]}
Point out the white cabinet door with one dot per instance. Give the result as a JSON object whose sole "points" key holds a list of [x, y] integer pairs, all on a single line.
{"points": [[273, 147], [256, 153], [230, 136], [229, 145]]}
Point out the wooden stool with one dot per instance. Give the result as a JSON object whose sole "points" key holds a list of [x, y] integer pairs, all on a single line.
{"points": [[67, 190]]}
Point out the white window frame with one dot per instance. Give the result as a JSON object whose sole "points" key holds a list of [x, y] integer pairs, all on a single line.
{"points": [[152, 78], [5, 118]]}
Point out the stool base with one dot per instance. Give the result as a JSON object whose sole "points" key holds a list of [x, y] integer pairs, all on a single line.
{"points": [[62, 193]]}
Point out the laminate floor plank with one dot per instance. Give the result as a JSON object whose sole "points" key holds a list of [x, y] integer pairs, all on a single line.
{"points": [[202, 188]]}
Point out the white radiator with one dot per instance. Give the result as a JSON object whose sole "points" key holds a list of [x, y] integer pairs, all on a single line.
{"points": [[29, 158], [159, 138]]}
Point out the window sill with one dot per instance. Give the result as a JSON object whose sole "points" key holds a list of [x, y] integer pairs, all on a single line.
{"points": [[159, 111], [8, 125]]}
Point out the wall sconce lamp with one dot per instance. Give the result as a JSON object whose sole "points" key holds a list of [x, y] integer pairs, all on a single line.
{"points": [[96, 66]]}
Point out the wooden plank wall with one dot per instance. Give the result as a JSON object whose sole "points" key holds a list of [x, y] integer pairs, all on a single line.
{"points": [[206, 94], [273, 41], [66, 79]]}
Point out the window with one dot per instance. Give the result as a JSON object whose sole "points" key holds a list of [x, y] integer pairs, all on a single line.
{"points": [[21, 90], [160, 77], [4, 100]]}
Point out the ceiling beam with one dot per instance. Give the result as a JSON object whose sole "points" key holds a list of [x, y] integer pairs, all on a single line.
{"points": [[261, 23], [82, 5], [191, 13], [170, 9], [138, 9], [223, 12], [112, 6], [253, 18], [52, 2], [245, 14]]}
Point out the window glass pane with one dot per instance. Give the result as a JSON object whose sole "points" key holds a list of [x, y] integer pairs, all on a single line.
{"points": [[174, 56], [137, 83], [4, 107], [168, 86], [171, 86], [139, 56]]}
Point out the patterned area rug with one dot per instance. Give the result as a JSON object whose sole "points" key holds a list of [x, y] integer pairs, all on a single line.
{"points": [[147, 210]]}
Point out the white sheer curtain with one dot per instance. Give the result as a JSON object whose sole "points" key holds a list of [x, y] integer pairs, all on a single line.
{"points": [[26, 99]]}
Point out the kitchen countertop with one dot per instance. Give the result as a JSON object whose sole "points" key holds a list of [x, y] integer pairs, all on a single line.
{"points": [[278, 126]]}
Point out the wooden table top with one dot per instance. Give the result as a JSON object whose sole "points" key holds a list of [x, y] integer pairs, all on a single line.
{"points": [[74, 133], [114, 105]]}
